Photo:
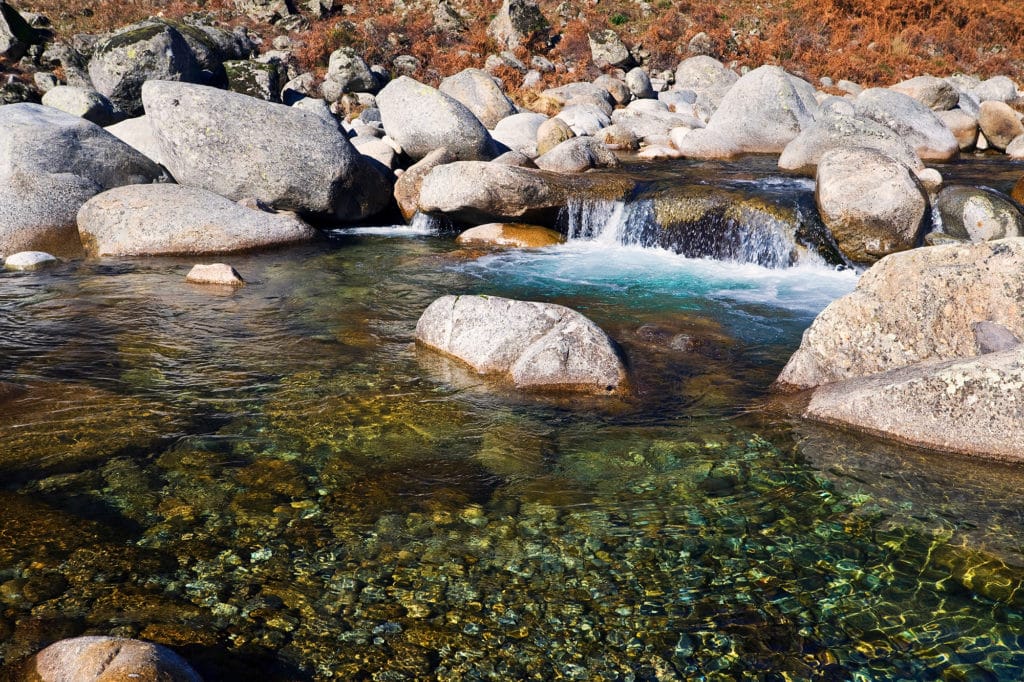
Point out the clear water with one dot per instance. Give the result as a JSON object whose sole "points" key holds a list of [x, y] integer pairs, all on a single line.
{"points": [[275, 481]]}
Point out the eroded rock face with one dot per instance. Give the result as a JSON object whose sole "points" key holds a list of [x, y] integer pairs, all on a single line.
{"points": [[872, 204], [422, 119], [912, 307], [149, 220], [107, 658], [538, 346], [972, 406], [239, 146]]}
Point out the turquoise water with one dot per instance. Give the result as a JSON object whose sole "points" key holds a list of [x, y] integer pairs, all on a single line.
{"points": [[276, 481]]}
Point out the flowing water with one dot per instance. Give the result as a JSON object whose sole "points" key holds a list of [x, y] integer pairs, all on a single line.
{"points": [[274, 480]]}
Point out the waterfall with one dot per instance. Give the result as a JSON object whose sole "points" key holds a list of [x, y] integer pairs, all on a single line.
{"points": [[706, 223]]}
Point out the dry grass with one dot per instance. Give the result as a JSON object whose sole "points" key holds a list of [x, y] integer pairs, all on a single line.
{"points": [[874, 43]]}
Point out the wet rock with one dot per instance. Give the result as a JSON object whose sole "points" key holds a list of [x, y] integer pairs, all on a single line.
{"points": [[82, 102], [421, 119], [481, 94], [607, 49], [1000, 123], [832, 130], [761, 113], [136, 54], [518, 132], [537, 345], [214, 273], [977, 214], [239, 146], [963, 126], [705, 76], [407, 187], [477, 192], [29, 260], [552, 133], [935, 93], [107, 658], [971, 406], [147, 220], [515, 21], [912, 307], [517, 235], [872, 204], [138, 134], [911, 120], [577, 155], [253, 78]]}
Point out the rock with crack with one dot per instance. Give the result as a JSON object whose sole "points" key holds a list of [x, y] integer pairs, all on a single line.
{"points": [[538, 346]]}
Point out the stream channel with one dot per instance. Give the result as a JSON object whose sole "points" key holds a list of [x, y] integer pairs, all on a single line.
{"points": [[275, 481]]}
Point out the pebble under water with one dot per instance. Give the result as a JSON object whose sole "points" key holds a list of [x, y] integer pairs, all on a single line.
{"points": [[273, 480]]}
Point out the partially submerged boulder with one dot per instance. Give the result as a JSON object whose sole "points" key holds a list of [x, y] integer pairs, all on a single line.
{"points": [[421, 119], [408, 186], [872, 204], [29, 260], [38, 212], [107, 658], [238, 146], [540, 346], [912, 307], [978, 214], [152, 220], [517, 235], [216, 274], [970, 406]]}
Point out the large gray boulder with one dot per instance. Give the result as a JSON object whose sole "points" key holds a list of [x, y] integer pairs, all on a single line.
{"points": [[83, 102], [995, 89], [138, 53], [539, 346], [705, 76], [639, 83], [964, 126], [912, 307], [478, 91], [971, 406], [106, 658], [50, 164], [152, 220], [911, 120], [35, 139], [577, 155], [421, 119], [872, 204], [38, 212], [477, 192], [607, 49], [761, 113], [935, 93], [650, 124], [347, 71], [518, 132], [515, 21], [584, 119], [239, 146], [977, 214], [831, 130]]}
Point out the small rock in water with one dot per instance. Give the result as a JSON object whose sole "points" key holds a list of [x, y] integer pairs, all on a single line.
{"points": [[215, 273], [108, 658], [29, 260], [511, 234]]}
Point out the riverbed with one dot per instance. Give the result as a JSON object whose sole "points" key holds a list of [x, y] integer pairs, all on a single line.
{"points": [[275, 480]]}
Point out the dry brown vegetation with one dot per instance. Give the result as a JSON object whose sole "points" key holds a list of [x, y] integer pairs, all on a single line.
{"points": [[877, 42]]}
